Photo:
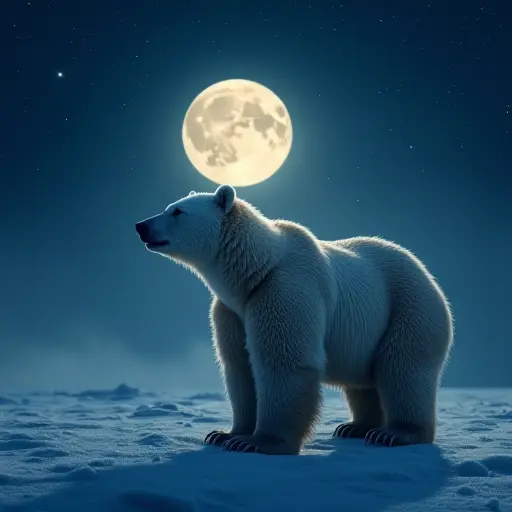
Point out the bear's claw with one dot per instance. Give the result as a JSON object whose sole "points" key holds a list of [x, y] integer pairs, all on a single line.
{"points": [[351, 430], [402, 434], [264, 445], [217, 437], [395, 436], [238, 445], [378, 437]]}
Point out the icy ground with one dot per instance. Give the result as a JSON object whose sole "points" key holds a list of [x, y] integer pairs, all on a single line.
{"points": [[124, 450]]}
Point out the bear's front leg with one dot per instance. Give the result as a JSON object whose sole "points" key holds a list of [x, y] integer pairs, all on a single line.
{"points": [[284, 338], [229, 341]]}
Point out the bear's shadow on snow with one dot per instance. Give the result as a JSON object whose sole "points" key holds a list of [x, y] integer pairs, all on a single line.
{"points": [[336, 474]]}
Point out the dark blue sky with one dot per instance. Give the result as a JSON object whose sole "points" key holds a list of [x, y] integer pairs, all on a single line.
{"points": [[402, 117]]}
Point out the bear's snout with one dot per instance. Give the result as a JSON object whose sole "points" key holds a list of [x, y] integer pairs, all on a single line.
{"points": [[147, 234], [142, 229]]}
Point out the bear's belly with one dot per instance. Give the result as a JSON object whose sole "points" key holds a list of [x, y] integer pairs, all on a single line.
{"points": [[350, 349], [349, 367]]}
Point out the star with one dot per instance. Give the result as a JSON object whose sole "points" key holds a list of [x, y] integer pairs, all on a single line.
{"points": [[60, 74]]}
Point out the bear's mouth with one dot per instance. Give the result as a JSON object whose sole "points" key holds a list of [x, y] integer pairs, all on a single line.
{"points": [[161, 243]]}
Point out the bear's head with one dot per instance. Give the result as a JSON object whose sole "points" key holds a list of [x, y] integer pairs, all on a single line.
{"points": [[189, 229]]}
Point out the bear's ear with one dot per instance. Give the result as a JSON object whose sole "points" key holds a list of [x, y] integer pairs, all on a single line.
{"points": [[225, 196], [192, 193]]}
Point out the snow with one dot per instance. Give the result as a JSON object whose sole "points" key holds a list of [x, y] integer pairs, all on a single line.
{"points": [[125, 450]]}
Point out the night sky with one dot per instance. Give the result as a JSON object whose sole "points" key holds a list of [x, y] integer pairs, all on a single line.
{"points": [[402, 117]]}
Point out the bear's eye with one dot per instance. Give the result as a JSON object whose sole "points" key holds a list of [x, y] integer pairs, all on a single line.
{"points": [[176, 212]]}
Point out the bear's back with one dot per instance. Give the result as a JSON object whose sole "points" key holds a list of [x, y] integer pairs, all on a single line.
{"points": [[403, 273]]}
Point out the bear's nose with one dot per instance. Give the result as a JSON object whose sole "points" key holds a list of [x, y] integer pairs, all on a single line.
{"points": [[142, 229]]}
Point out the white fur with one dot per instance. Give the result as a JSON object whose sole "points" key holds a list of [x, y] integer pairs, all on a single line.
{"points": [[290, 312]]}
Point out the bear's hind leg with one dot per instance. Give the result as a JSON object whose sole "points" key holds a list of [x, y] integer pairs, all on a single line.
{"points": [[407, 371], [409, 403], [364, 404], [229, 339]]}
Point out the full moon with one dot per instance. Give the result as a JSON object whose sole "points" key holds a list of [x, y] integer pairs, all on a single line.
{"points": [[237, 132]]}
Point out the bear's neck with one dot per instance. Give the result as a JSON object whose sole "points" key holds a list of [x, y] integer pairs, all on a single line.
{"points": [[250, 247]]}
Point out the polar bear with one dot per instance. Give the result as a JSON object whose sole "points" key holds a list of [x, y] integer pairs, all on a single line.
{"points": [[291, 312]]}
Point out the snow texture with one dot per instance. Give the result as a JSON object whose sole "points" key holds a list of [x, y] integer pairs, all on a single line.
{"points": [[124, 450]]}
